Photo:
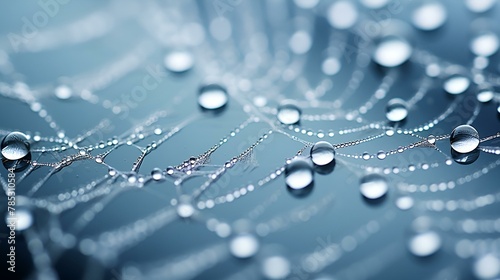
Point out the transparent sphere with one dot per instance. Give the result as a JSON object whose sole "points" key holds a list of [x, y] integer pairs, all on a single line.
{"points": [[179, 61], [392, 51], [322, 153], [299, 173], [396, 110], [373, 186], [212, 97], [464, 139], [15, 145], [289, 113]]}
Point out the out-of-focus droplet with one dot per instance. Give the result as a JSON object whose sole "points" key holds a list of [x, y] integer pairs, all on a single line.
{"points": [[392, 51], [288, 113], [456, 84], [396, 110], [63, 92], [157, 174], [405, 202], [342, 14], [212, 97], [485, 44], [487, 267], [179, 61], [485, 95], [479, 6], [331, 66], [244, 246], [429, 16], [464, 139], [373, 186], [300, 42], [23, 219], [276, 267], [299, 173], [185, 210], [424, 244]]}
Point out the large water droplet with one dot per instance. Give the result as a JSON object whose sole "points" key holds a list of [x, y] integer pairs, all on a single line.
{"points": [[487, 267], [179, 61], [485, 95], [15, 145], [429, 16], [373, 186], [424, 244], [276, 267], [342, 14], [396, 110], [299, 173], [392, 51], [322, 153], [288, 113], [464, 139], [485, 44], [456, 84], [212, 97], [465, 158], [63, 92], [244, 246]]}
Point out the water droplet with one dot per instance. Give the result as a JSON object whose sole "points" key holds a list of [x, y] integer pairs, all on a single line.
{"points": [[63, 92], [185, 210], [485, 44], [15, 145], [487, 267], [465, 158], [404, 202], [464, 139], [132, 178], [244, 246], [111, 172], [212, 97], [485, 95], [381, 155], [456, 84], [322, 153], [373, 186], [331, 66], [300, 42], [479, 6], [429, 16], [392, 51], [431, 139], [424, 244], [276, 267], [342, 14], [366, 156], [23, 219], [178, 61], [157, 174], [298, 173], [396, 110], [288, 113]]}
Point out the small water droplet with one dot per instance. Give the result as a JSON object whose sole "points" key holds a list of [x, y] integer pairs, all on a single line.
{"points": [[424, 244], [331, 66], [487, 267], [23, 219], [288, 113], [111, 172], [212, 97], [157, 174], [179, 61], [404, 202], [276, 267], [244, 246], [396, 110], [464, 139], [485, 44], [299, 173], [132, 178], [300, 42], [15, 145], [366, 156], [456, 84], [373, 186], [185, 210], [429, 16], [392, 51], [342, 14], [431, 139], [63, 92], [381, 155], [322, 153], [485, 95]]}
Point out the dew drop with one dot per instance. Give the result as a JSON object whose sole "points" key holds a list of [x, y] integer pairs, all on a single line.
{"points": [[485, 95], [23, 219], [405, 202], [479, 6], [276, 267], [392, 51], [396, 110], [429, 16], [298, 173], [111, 172], [244, 246], [487, 267], [373, 186], [424, 244], [322, 153], [331, 66], [300, 42], [366, 156], [178, 61], [381, 155], [485, 44], [342, 14], [288, 113], [212, 97], [15, 145], [185, 210], [63, 92], [456, 84], [431, 139], [157, 174], [464, 139]]}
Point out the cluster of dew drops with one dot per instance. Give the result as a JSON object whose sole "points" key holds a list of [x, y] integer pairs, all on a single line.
{"points": [[390, 52]]}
